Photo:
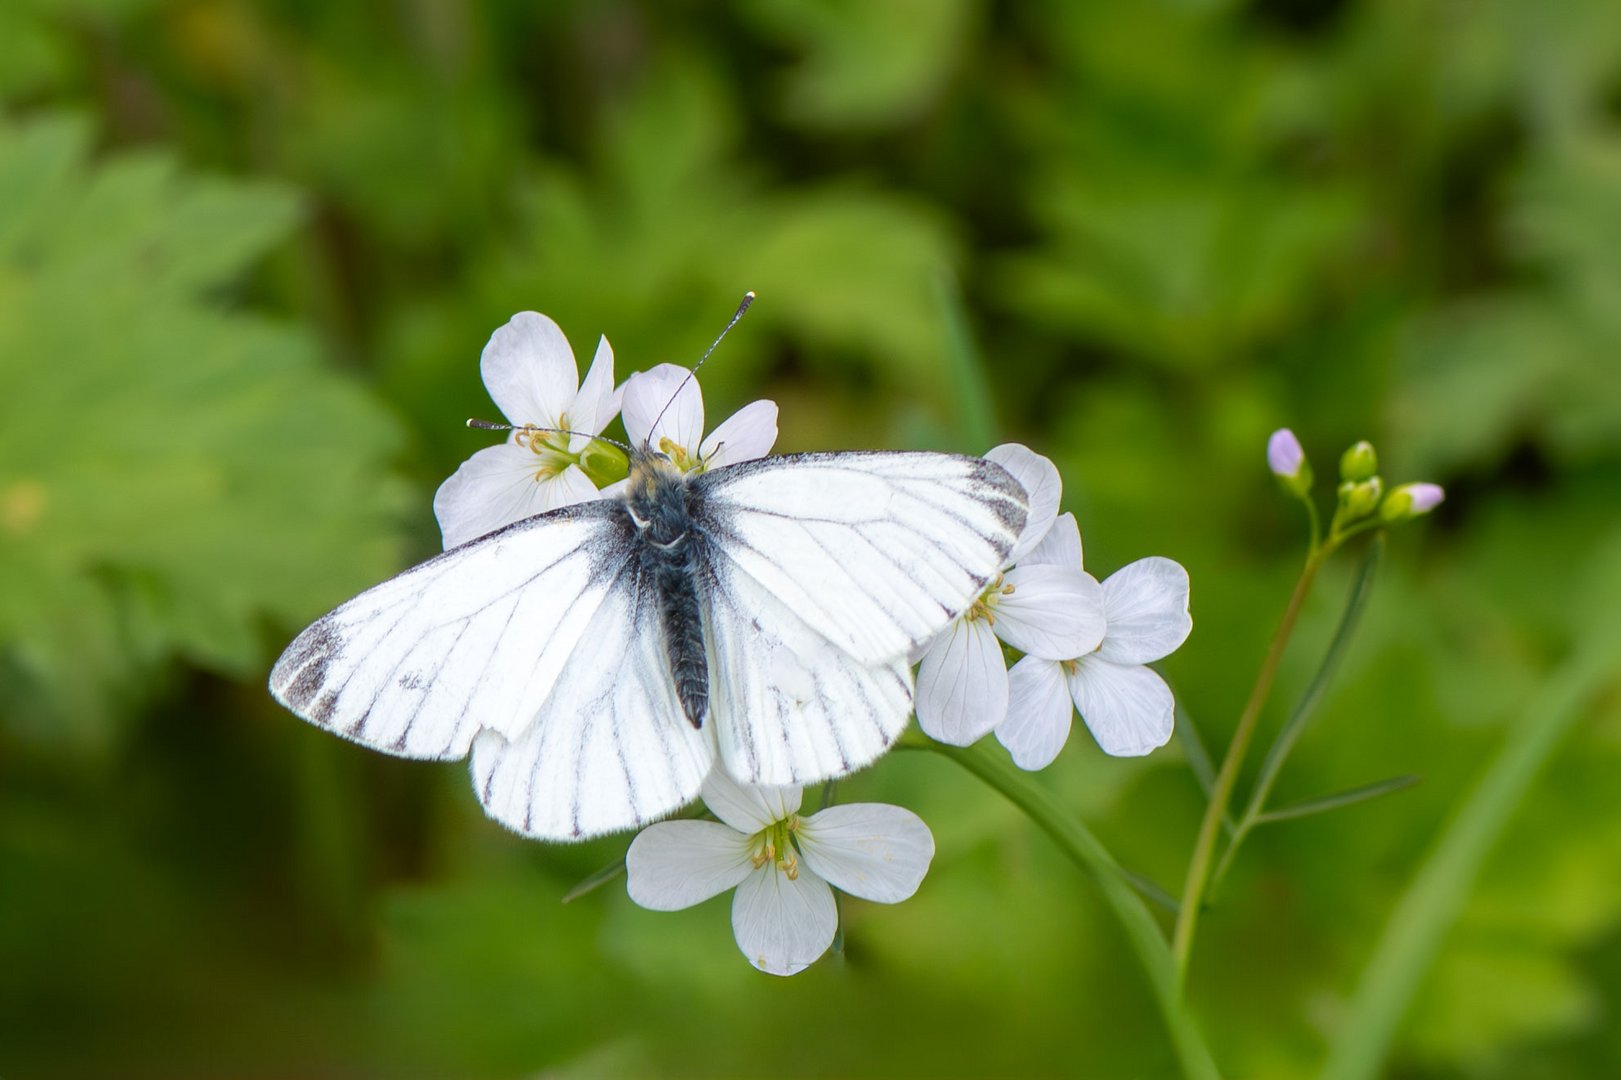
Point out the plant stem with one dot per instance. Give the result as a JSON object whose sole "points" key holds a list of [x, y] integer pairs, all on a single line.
{"points": [[1272, 764], [1187, 919], [1093, 858]]}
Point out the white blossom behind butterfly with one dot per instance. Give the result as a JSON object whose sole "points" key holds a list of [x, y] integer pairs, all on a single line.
{"points": [[1125, 704], [664, 410], [529, 371], [1042, 609]]}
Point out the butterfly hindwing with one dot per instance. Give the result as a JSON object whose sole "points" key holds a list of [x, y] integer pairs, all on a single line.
{"points": [[787, 706], [610, 748], [823, 572]]}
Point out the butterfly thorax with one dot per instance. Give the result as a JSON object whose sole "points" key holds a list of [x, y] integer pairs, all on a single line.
{"points": [[656, 493], [657, 498]]}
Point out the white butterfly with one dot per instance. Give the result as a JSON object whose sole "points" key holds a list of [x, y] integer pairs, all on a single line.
{"points": [[595, 660]]}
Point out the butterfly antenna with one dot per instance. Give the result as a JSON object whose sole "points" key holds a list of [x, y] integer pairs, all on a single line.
{"points": [[491, 425], [748, 298]]}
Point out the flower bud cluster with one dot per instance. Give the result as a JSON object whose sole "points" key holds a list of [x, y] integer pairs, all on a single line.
{"points": [[1361, 496]]}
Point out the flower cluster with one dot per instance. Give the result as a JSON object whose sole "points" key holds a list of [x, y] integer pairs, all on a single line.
{"points": [[1084, 645], [1083, 642], [547, 461], [1362, 502]]}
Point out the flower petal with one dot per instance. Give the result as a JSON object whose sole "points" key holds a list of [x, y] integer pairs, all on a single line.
{"points": [[1053, 612], [1060, 547], [1041, 482], [870, 850], [529, 370], [745, 435], [1147, 606], [962, 684], [1128, 708], [595, 404], [748, 808], [675, 864], [496, 487], [783, 924], [665, 389], [1039, 713]]}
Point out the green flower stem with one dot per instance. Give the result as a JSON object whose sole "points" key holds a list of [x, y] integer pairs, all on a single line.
{"points": [[1193, 891], [1316, 522], [1093, 858], [1278, 753], [1431, 904]]}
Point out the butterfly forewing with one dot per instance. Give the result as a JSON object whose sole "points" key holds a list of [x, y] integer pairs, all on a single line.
{"points": [[474, 638], [877, 552]]}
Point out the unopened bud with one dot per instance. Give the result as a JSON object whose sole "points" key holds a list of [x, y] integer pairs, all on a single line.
{"points": [[603, 462], [1410, 501], [1287, 460], [1359, 462], [1358, 500]]}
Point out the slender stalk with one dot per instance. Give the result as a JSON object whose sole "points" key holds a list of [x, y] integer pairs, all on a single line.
{"points": [[1094, 859], [1278, 752], [1204, 847], [1355, 604]]}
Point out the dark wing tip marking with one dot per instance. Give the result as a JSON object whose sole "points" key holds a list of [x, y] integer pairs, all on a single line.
{"points": [[1012, 513], [300, 674]]}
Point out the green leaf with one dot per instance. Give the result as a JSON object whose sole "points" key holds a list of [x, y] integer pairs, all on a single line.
{"points": [[863, 65], [1326, 803], [610, 872], [1427, 910], [173, 469], [970, 389]]}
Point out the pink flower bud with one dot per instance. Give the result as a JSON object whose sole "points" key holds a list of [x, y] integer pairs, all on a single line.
{"points": [[1411, 500], [1426, 497], [1283, 453]]}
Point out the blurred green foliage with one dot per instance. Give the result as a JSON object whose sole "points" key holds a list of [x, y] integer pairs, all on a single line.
{"points": [[249, 253]]}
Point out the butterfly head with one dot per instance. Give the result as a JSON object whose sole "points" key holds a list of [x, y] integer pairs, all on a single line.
{"points": [[651, 469]]}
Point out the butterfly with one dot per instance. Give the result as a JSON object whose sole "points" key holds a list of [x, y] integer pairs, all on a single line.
{"points": [[595, 662]]}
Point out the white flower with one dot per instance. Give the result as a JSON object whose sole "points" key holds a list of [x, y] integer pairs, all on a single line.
{"points": [[781, 864], [1050, 610], [669, 389], [1128, 708], [529, 371]]}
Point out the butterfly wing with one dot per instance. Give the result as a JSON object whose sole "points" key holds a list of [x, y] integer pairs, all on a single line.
{"points": [[506, 636], [824, 572], [611, 748], [786, 706]]}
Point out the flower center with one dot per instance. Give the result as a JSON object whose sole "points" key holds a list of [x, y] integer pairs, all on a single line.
{"points": [[549, 447], [679, 455], [774, 844], [984, 608]]}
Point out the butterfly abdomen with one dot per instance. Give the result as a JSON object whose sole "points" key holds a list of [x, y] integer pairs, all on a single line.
{"points": [[683, 631], [670, 553]]}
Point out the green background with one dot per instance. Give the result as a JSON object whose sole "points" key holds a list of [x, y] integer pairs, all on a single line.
{"points": [[249, 254]]}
